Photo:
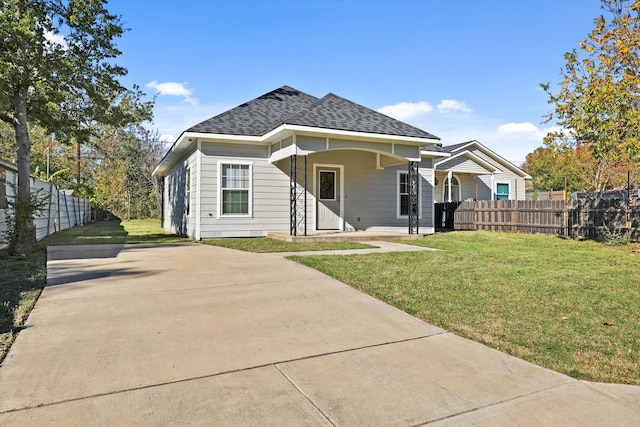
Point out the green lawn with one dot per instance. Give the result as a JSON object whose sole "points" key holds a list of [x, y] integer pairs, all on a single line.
{"points": [[103, 232], [571, 306]]}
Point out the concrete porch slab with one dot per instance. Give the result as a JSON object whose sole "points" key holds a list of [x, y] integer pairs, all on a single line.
{"points": [[343, 236]]}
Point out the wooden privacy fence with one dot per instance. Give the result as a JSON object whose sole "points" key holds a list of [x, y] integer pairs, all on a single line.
{"points": [[61, 209], [576, 218]]}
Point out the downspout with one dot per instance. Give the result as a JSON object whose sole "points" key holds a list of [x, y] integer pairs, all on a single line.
{"points": [[162, 193]]}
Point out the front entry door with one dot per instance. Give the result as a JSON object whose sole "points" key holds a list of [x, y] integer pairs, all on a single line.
{"points": [[328, 198]]}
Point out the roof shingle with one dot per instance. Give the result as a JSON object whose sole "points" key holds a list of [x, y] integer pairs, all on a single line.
{"points": [[259, 116], [334, 112], [287, 105]]}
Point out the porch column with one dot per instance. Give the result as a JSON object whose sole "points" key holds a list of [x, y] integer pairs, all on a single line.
{"points": [[298, 195], [413, 197]]}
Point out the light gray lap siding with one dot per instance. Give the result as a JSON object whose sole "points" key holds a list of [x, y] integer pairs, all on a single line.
{"points": [[371, 194], [270, 190], [176, 219]]}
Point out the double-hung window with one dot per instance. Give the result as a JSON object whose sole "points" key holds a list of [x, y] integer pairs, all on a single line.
{"points": [[403, 194], [402, 210], [235, 189]]}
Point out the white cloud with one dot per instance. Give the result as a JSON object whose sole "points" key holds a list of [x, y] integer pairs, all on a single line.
{"points": [[518, 128], [406, 110], [56, 39], [173, 89], [451, 105]]}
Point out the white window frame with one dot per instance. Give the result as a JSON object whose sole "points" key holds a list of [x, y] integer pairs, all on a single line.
{"points": [[495, 190], [250, 189], [445, 187], [399, 195]]}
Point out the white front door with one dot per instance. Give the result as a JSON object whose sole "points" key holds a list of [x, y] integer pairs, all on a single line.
{"points": [[328, 198]]}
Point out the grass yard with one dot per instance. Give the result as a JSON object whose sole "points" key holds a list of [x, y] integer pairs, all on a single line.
{"points": [[21, 282], [264, 245], [571, 306], [23, 277], [118, 232]]}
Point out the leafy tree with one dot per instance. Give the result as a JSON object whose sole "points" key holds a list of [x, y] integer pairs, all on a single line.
{"points": [[55, 71], [542, 165], [550, 165], [123, 160], [598, 104]]}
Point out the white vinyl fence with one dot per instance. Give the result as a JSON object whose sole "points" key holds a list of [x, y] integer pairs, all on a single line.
{"points": [[61, 209]]}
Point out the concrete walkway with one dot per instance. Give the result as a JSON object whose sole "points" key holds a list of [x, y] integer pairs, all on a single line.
{"points": [[193, 334]]}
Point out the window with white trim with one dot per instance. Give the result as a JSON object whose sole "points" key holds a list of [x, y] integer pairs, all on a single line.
{"points": [[402, 210], [455, 190], [235, 189]]}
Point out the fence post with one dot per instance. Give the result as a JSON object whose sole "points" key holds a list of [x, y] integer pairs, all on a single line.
{"points": [[49, 213], [59, 215], [565, 219], [66, 208]]}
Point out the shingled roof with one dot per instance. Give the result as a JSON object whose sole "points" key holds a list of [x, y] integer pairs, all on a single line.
{"points": [[259, 116], [287, 105]]}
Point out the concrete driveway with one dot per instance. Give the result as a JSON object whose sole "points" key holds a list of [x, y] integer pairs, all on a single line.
{"points": [[200, 335]]}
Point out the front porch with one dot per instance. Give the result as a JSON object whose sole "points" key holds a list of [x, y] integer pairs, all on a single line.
{"points": [[324, 171], [342, 236]]}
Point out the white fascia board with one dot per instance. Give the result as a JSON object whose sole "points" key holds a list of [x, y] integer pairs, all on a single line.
{"points": [[224, 137], [465, 146], [283, 153], [426, 153], [352, 135]]}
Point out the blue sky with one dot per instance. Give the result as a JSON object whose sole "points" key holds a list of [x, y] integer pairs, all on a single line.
{"points": [[459, 69]]}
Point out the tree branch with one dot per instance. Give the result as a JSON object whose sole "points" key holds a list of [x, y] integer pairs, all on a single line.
{"points": [[6, 118]]}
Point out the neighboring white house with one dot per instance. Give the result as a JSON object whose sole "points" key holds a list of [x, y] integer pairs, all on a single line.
{"points": [[288, 161]]}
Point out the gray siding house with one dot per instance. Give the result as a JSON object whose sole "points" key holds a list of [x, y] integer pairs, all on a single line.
{"points": [[473, 172], [288, 161]]}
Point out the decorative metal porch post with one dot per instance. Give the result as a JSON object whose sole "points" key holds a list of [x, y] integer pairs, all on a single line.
{"points": [[413, 197], [298, 195]]}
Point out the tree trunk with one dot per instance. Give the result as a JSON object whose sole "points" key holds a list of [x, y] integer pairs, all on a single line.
{"points": [[25, 230]]}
